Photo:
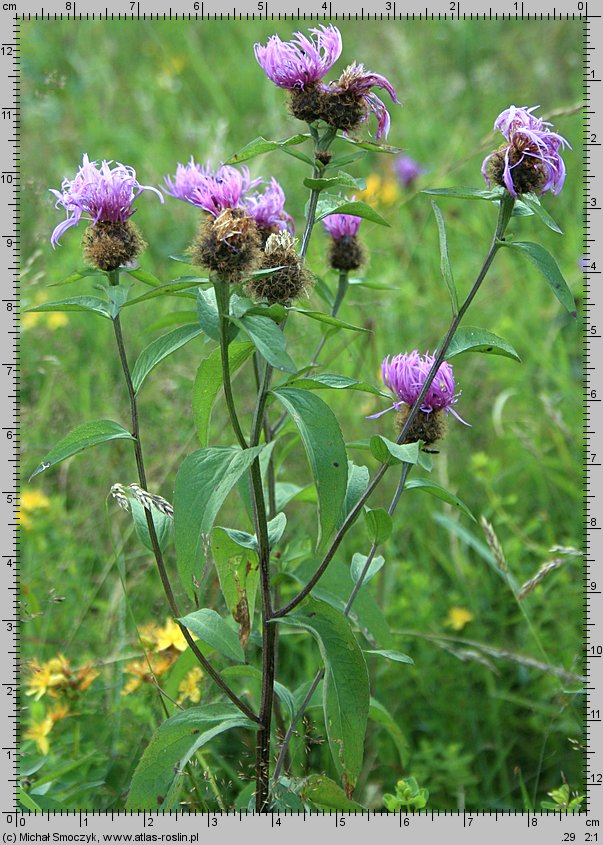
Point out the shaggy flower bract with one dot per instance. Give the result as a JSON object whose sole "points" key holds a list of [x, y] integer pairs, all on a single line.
{"points": [[268, 208], [405, 376], [98, 193], [301, 61], [532, 160], [357, 82], [213, 192]]}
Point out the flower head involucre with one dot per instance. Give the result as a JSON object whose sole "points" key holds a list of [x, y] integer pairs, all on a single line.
{"points": [[303, 60], [531, 160], [352, 100], [100, 192], [268, 209]]}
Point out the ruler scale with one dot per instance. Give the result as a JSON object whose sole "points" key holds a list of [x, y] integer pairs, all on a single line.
{"points": [[423, 827]]}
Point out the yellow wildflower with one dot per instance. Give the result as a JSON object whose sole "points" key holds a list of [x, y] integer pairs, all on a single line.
{"points": [[49, 319], [170, 636], [31, 500], [149, 633], [143, 674], [58, 712], [39, 733], [47, 676], [86, 676], [380, 190], [458, 617], [190, 687]]}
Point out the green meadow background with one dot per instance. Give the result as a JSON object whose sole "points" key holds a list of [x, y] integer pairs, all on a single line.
{"points": [[490, 716]]}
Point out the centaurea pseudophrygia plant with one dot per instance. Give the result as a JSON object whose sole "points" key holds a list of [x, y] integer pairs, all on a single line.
{"points": [[255, 285]]}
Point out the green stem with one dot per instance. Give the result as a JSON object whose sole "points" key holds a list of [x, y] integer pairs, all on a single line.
{"points": [[320, 145], [222, 300], [158, 554], [504, 215]]}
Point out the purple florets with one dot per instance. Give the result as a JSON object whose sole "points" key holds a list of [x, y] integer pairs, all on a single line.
{"points": [[214, 193], [408, 170], [405, 376], [342, 225], [102, 193], [356, 82], [531, 161], [301, 61], [268, 208]]}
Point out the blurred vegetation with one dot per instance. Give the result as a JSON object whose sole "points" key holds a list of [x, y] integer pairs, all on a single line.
{"points": [[490, 715]]}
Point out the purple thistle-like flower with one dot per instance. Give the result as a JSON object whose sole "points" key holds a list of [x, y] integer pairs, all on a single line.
{"points": [[405, 376], [342, 225], [268, 208], [301, 61], [98, 193], [531, 147], [408, 170], [214, 193], [358, 81]]}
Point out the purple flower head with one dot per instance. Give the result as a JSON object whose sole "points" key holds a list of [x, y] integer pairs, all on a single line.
{"points": [[212, 192], [303, 60], [408, 170], [405, 376], [101, 193], [531, 160], [342, 225], [268, 208], [357, 81]]}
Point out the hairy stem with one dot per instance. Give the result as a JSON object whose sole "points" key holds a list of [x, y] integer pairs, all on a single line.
{"points": [[504, 215], [158, 554]]}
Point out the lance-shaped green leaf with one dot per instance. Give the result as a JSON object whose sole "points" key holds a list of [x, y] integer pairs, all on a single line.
{"points": [[445, 267], [440, 493], [83, 437], [379, 714], [358, 564], [215, 632], [208, 382], [388, 452], [163, 525], [156, 780], [329, 204], [474, 339], [533, 203], [159, 349], [389, 654], [369, 145], [465, 193], [77, 276], [75, 303], [178, 287], [238, 573], [325, 794], [329, 320], [203, 482], [276, 528], [346, 687], [325, 449], [333, 381], [269, 340], [379, 524], [549, 268], [260, 145], [145, 277], [342, 178], [207, 313], [358, 481]]}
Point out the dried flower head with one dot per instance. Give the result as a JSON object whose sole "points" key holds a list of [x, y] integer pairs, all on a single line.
{"points": [[290, 281], [303, 61], [229, 245], [268, 210], [350, 100], [530, 161], [100, 193], [345, 251], [405, 376], [407, 170], [213, 192]]}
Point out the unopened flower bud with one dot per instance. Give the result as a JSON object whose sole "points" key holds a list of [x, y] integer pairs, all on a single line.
{"points": [[346, 252], [289, 282], [228, 244]]}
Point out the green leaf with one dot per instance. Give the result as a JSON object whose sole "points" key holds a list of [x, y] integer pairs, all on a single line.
{"points": [[159, 349], [358, 481], [379, 524], [344, 160], [465, 193], [118, 297], [260, 145], [440, 492], [547, 265], [388, 452], [145, 277], [163, 525], [269, 340], [370, 145], [396, 656], [215, 632], [238, 573], [346, 686], [336, 205], [329, 320], [76, 276], [474, 339], [177, 287], [533, 203], [341, 178], [276, 529], [208, 382], [325, 449], [174, 318], [379, 714], [172, 746], [207, 313], [333, 381], [358, 564], [325, 794], [203, 482], [83, 437], [445, 267], [366, 283], [75, 303]]}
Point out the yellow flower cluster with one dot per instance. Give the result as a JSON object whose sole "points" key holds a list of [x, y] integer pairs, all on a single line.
{"points": [[380, 190], [458, 617], [29, 502], [39, 729], [52, 320]]}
